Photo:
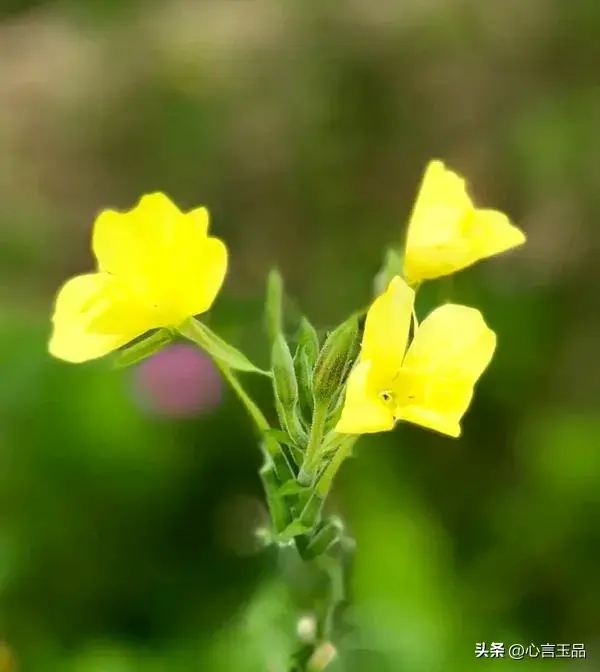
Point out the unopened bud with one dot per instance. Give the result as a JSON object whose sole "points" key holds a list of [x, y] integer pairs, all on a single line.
{"points": [[284, 376], [286, 389], [321, 658], [305, 357], [335, 360]]}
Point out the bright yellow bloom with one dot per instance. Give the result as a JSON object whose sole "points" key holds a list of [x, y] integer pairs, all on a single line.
{"points": [[157, 266], [430, 383], [447, 233]]}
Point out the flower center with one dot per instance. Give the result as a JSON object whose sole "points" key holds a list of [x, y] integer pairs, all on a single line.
{"points": [[388, 397]]}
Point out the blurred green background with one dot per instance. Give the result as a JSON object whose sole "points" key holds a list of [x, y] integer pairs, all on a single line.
{"points": [[129, 499]]}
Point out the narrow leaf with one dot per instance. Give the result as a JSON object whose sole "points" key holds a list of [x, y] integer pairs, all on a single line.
{"points": [[280, 436], [328, 533], [291, 488], [219, 349], [294, 529], [273, 305]]}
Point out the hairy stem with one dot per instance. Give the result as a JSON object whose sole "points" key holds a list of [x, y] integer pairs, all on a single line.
{"points": [[306, 476]]}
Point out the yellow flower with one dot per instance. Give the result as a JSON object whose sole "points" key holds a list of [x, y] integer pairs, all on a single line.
{"points": [[430, 383], [447, 233], [157, 266]]}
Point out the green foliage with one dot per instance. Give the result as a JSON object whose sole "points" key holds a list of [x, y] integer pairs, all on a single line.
{"points": [[218, 349], [274, 305]]}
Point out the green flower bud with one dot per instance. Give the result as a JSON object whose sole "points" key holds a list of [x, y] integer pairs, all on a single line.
{"points": [[284, 376], [335, 361], [305, 357], [322, 657], [285, 387]]}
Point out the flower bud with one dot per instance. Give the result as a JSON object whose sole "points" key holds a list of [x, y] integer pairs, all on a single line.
{"points": [[305, 357], [285, 387], [335, 361], [284, 376], [322, 657]]}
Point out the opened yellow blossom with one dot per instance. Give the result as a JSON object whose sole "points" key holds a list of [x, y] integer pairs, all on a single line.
{"points": [[431, 382], [447, 233], [157, 266]]}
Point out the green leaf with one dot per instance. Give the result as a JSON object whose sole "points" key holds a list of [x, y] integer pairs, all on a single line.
{"points": [[142, 349], [275, 455], [280, 436], [280, 514], [273, 305], [294, 529], [219, 349], [291, 488], [327, 535]]}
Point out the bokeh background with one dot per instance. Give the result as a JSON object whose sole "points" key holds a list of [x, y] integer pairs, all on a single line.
{"points": [[129, 498]]}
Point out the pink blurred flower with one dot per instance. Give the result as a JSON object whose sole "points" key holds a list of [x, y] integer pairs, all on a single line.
{"points": [[178, 381]]}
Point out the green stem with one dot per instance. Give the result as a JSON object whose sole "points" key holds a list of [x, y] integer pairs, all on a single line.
{"points": [[327, 557], [271, 448], [326, 480], [312, 504], [313, 450], [253, 410]]}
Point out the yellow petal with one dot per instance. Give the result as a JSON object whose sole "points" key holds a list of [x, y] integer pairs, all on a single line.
{"points": [[387, 329], [451, 349], [433, 244], [426, 262], [424, 417], [84, 304], [364, 411], [72, 343], [166, 256], [202, 275], [490, 232], [440, 187], [139, 241], [452, 340], [446, 233]]}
